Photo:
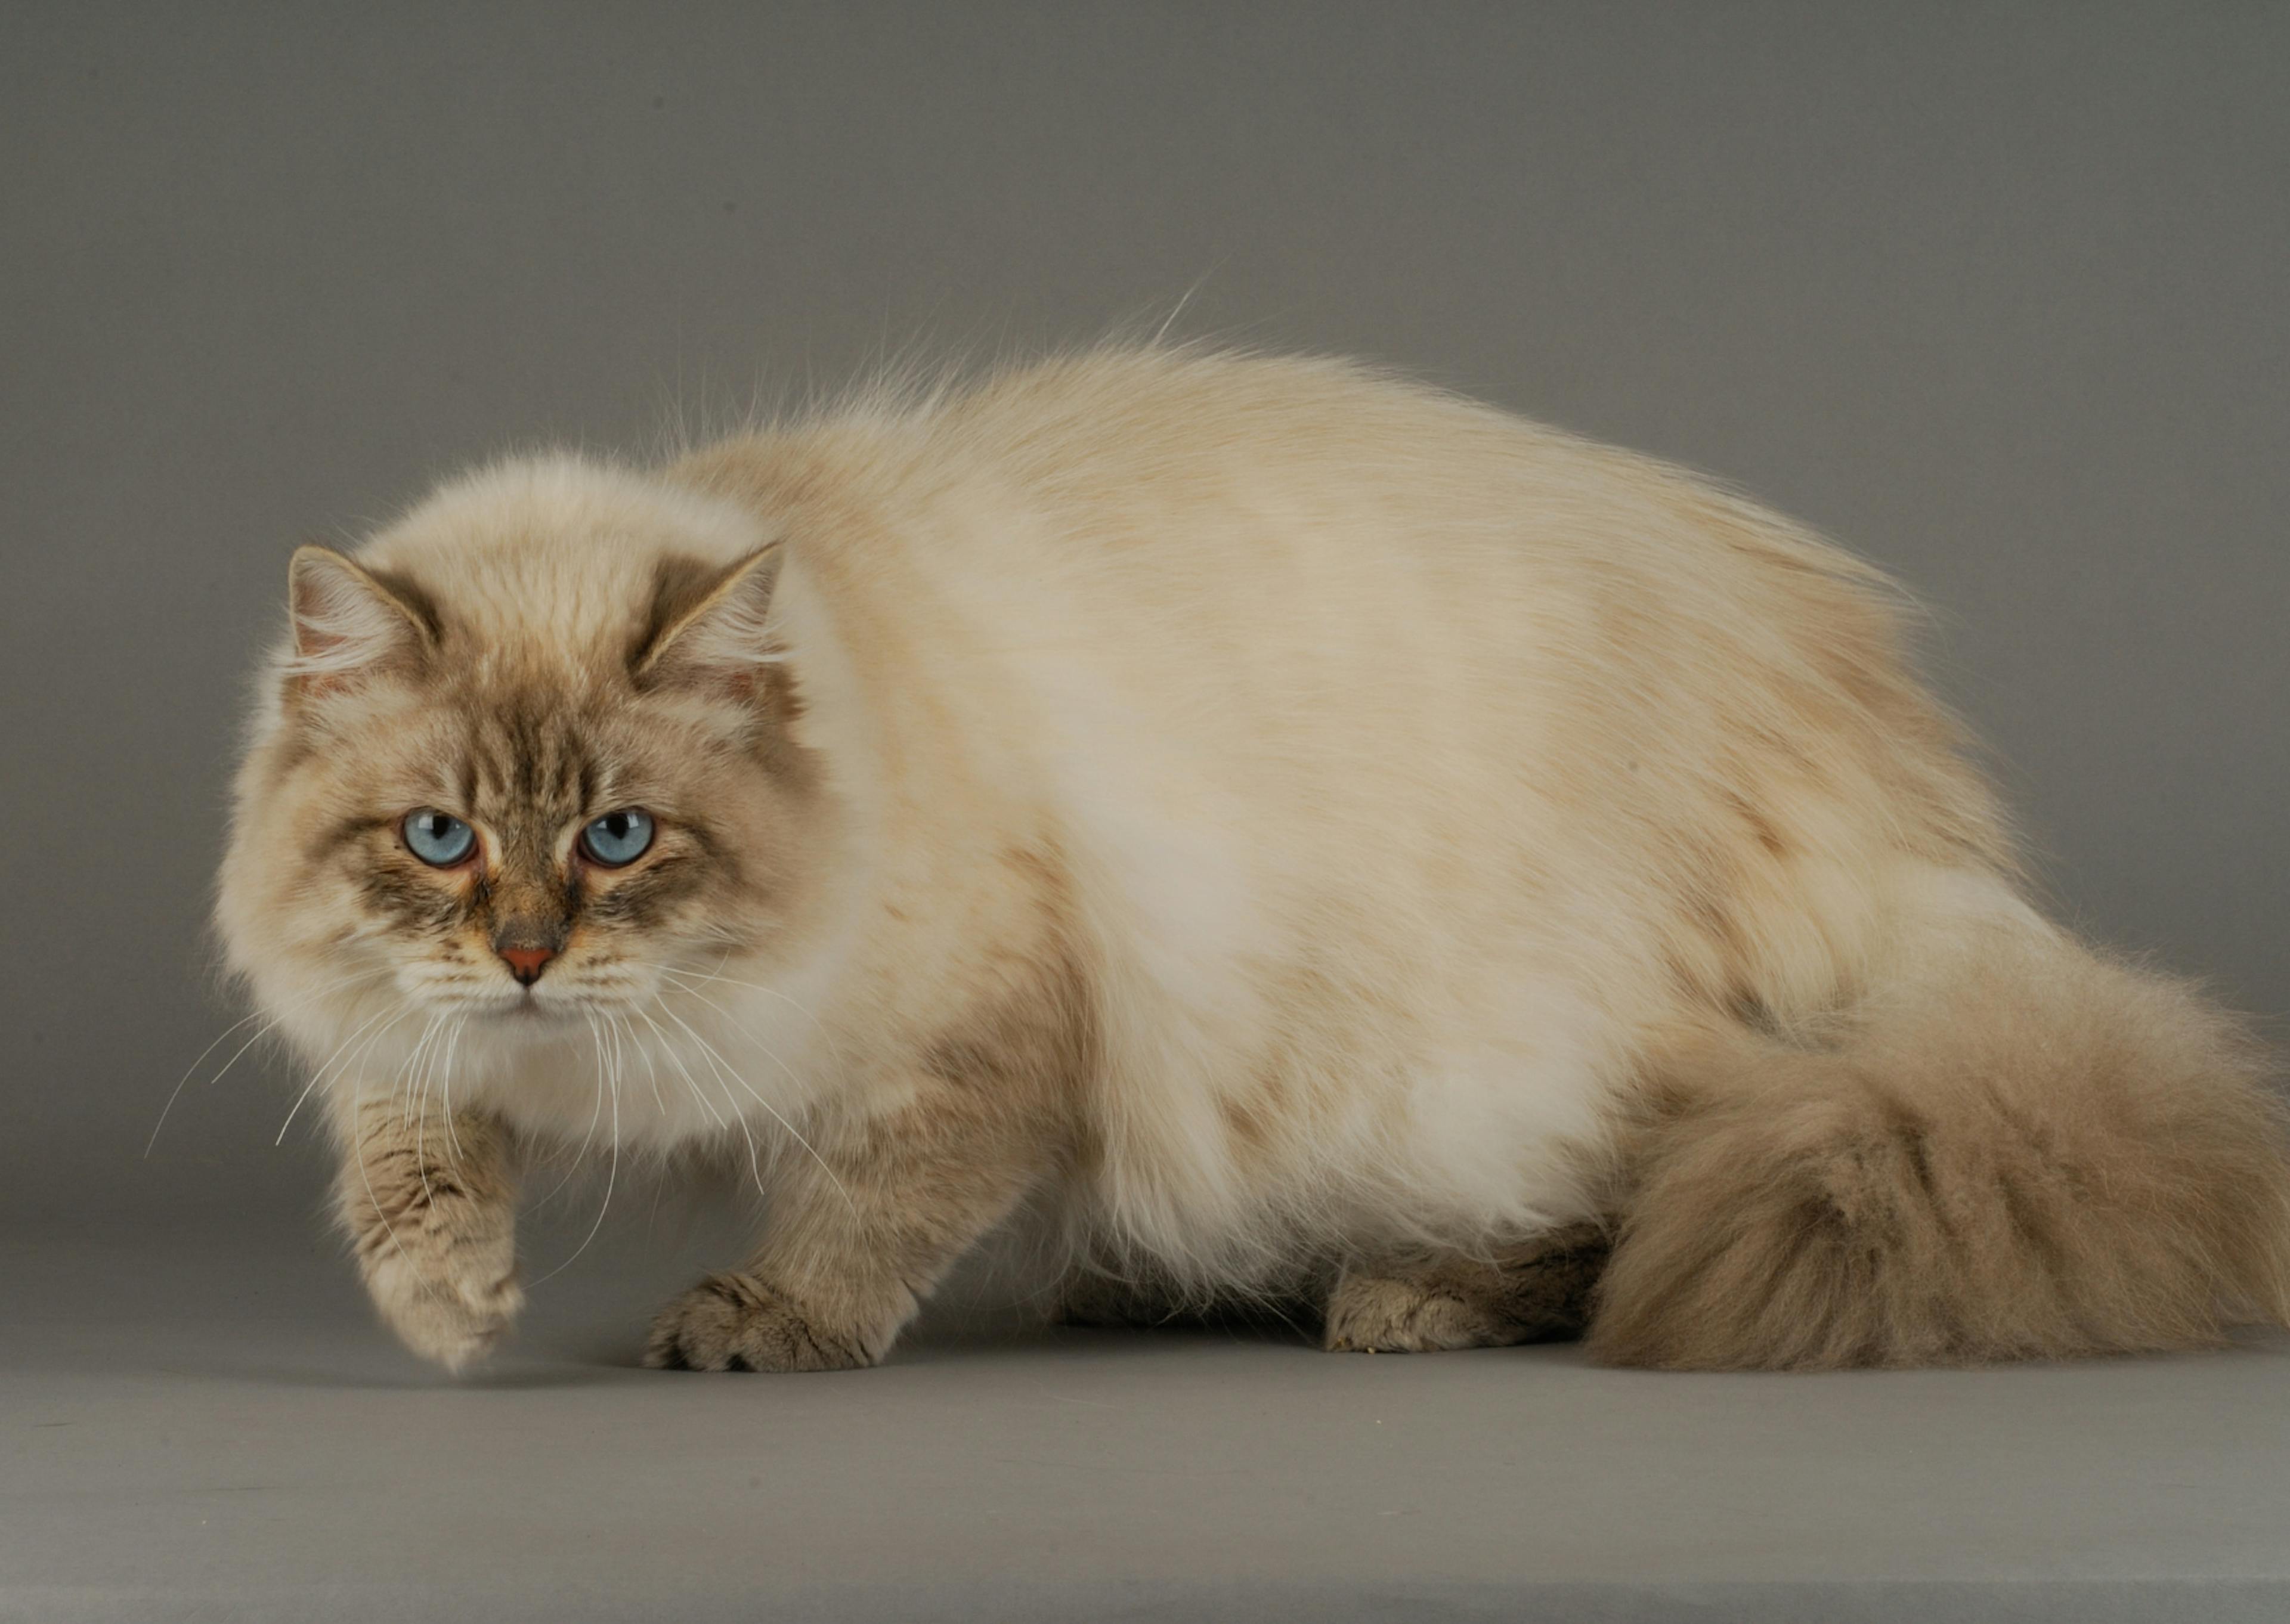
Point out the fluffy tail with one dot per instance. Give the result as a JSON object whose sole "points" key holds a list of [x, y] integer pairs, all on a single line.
{"points": [[2031, 1152]]}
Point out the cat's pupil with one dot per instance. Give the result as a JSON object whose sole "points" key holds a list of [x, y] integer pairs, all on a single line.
{"points": [[438, 838], [615, 838]]}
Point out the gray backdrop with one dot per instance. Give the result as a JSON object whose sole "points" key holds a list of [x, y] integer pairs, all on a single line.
{"points": [[1996, 295]]}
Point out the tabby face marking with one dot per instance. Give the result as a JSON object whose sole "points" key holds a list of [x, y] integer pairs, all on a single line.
{"points": [[452, 801], [527, 775]]}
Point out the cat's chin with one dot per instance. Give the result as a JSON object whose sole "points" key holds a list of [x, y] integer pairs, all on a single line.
{"points": [[520, 1011], [531, 1011]]}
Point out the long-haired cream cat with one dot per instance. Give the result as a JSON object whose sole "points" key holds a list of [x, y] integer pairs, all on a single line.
{"points": [[1280, 831]]}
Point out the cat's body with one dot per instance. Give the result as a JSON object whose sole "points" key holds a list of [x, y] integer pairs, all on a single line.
{"points": [[1282, 829]]}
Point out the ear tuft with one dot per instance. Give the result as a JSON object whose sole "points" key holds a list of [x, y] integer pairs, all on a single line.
{"points": [[348, 623], [718, 636]]}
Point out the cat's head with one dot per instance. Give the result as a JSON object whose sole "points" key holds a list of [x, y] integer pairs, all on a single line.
{"points": [[533, 750]]}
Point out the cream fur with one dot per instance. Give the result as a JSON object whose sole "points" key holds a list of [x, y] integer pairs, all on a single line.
{"points": [[1272, 815]]}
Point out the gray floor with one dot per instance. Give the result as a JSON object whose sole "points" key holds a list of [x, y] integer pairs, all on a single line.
{"points": [[210, 1429]]}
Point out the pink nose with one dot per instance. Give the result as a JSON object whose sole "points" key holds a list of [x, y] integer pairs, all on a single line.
{"points": [[525, 964]]}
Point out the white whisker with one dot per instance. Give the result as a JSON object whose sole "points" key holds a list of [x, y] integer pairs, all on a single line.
{"points": [[409, 1075], [690, 1082], [714, 1059], [755, 1165], [267, 1026], [652, 1071], [612, 1172], [366, 1172], [595, 1116], [767, 1051], [683, 978], [315, 1076], [417, 1093], [453, 1050]]}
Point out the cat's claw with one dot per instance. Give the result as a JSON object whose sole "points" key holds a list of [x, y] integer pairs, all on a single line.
{"points": [[735, 1323]]}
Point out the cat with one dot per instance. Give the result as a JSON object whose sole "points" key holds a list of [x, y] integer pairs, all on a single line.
{"points": [[1279, 831]]}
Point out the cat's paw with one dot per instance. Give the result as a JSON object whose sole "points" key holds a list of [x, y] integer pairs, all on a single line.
{"points": [[1535, 1292], [736, 1323], [449, 1288], [1370, 1314]]}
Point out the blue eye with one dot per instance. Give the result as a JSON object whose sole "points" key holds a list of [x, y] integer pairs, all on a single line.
{"points": [[438, 838], [618, 837]]}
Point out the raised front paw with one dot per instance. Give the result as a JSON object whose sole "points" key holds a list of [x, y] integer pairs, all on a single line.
{"points": [[444, 1276], [736, 1323]]}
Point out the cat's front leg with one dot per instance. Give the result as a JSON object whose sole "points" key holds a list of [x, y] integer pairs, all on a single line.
{"points": [[429, 1204], [863, 1224]]}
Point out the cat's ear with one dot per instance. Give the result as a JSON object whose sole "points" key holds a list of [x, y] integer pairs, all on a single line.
{"points": [[712, 627], [348, 623]]}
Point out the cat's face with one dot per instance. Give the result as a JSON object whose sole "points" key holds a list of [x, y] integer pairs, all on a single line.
{"points": [[524, 777]]}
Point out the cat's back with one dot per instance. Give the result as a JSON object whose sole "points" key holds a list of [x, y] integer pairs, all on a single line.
{"points": [[1166, 480], [1295, 533], [1310, 577], [1201, 461], [1114, 450]]}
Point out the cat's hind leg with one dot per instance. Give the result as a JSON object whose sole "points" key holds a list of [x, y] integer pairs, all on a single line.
{"points": [[1538, 1291], [1102, 1300]]}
